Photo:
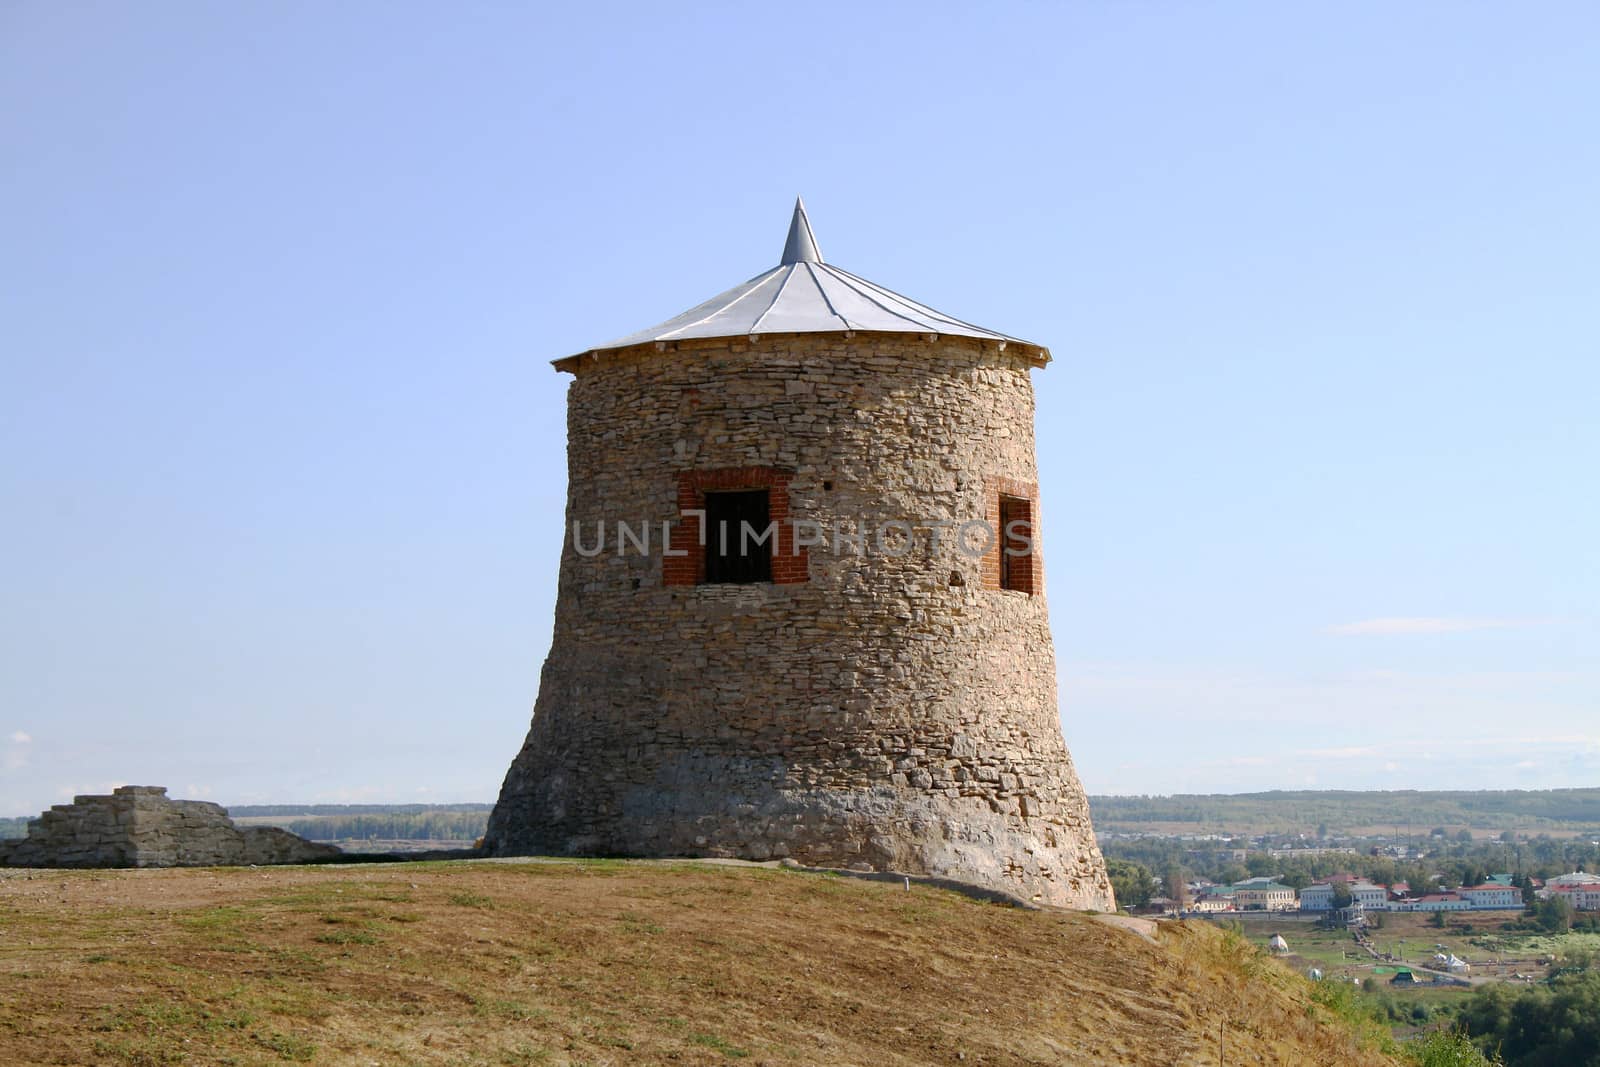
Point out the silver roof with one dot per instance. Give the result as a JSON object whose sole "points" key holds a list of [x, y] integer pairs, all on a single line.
{"points": [[802, 294]]}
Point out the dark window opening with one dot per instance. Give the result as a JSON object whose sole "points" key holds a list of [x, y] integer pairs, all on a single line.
{"points": [[1016, 544], [739, 546]]}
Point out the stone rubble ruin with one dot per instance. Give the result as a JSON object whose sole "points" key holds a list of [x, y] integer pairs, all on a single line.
{"points": [[140, 826]]}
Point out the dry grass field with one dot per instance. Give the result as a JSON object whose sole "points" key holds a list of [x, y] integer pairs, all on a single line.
{"points": [[613, 963]]}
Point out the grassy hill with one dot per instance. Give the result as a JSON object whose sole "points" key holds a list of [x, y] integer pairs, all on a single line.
{"points": [[610, 962]]}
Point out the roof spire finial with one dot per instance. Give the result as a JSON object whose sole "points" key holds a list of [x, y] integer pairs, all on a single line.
{"points": [[802, 244]]}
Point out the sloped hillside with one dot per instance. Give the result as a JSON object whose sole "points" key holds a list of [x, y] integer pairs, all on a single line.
{"points": [[613, 963]]}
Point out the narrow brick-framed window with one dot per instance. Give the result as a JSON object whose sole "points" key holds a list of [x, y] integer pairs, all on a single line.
{"points": [[1012, 562], [686, 565]]}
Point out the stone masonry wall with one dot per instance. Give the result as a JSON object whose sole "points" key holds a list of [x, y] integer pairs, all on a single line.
{"points": [[871, 710], [138, 826]]}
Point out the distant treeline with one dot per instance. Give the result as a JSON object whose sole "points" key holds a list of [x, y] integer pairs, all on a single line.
{"points": [[367, 822], [1338, 810], [426, 826], [1449, 862], [246, 811], [1555, 1023]]}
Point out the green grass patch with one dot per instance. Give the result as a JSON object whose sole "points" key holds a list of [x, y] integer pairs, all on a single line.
{"points": [[635, 923], [712, 1041], [1342, 1002], [287, 1046], [137, 1052], [1530, 944], [507, 1009]]}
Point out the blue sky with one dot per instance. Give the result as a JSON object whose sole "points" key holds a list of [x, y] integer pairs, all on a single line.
{"points": [[279, 285]]}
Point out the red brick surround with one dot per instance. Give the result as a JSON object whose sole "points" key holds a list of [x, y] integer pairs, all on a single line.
{"points": [[1027, 572], [788, 567]]}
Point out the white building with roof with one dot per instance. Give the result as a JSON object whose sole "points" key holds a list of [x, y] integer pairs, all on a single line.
{"points": [[1263, 894], [1435, 902], [1491, 897], [1317, 897], [1574, 879], [1370, 896], [1581, 890]]}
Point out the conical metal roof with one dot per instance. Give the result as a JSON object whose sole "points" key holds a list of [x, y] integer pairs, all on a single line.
{"points": [[802, 294]]}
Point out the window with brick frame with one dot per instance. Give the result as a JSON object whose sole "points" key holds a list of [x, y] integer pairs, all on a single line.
{"points": [[1016, 544], [687, 558]]}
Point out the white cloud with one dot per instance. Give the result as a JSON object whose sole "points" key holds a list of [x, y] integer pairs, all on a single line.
{"points": [[16, 754], [1397, 625]]}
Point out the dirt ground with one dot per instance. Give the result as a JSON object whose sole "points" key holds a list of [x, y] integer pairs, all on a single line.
{"points": [[610, 962]]}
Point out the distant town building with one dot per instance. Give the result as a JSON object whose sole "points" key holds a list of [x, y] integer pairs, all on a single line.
{"points": [[1491, 896], [1319, 897], [1579, 889], [1370, 896], [1582, 898], [1205, 898], [1310, 851], [1575, 878], [1263, 895], [1495, 894], [1434, 902]]}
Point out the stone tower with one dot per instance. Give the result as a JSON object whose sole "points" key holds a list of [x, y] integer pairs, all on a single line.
{"points": [[870, 685]]}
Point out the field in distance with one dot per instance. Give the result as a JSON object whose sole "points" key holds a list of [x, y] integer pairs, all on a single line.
{"points": [[1557, 812]]}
